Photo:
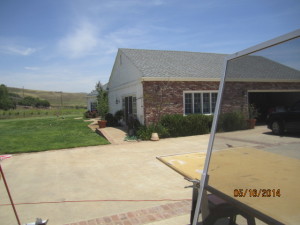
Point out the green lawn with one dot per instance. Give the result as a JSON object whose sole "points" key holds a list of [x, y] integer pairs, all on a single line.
{"points": [[41, 134]]}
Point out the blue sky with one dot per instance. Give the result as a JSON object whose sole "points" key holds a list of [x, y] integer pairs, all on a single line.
{"points": [[69, 45]]}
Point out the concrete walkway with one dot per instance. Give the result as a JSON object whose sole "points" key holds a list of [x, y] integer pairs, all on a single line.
{"points": [[113, 135]]}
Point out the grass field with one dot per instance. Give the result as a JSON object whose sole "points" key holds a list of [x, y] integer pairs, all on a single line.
{"points": [[55, 98], [41, 134]]}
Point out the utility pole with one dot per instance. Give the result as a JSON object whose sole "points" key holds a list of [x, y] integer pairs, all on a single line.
{"points": [[61, 103], [61, 99]]}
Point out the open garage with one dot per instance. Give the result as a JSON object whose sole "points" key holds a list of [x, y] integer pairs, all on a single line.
{"points": [[268, 101]]}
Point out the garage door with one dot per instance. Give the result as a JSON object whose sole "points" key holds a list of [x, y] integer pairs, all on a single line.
{"points": [[265, 102]]}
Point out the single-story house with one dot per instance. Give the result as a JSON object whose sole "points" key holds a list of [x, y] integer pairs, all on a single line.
{"points": [[150, 83], [92, 101]]}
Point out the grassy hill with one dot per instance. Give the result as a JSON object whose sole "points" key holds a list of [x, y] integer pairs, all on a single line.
{"points": [[55, 98]]}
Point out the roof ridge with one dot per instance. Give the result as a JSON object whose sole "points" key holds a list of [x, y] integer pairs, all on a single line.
{"points": [[132, 61], [158, 50]]}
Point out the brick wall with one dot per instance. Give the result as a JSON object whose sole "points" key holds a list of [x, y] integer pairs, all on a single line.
{"points": [[166, 97]]}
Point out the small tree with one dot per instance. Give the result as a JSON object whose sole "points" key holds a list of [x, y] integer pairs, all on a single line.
{"points": [[5, 101], [102, 99]]}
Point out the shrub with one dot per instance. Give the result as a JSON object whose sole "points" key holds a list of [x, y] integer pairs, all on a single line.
{"points": [[232, 121], [111, 120], [198, 124], [34, 102], [91, 114], [174, 123], [145, 132], [133, 124], [6, 102], [119, 115], [179, 125]]}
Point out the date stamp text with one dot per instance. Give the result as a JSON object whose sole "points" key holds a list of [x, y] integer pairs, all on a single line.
{"points": [[264, 193]]}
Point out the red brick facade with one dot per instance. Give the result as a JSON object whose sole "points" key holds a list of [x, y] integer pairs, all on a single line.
{"points": [[166, 97]]}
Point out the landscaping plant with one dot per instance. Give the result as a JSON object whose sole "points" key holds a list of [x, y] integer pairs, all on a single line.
{"points": [[145, 132], [179, 125], [102, 99], [232, 121]]}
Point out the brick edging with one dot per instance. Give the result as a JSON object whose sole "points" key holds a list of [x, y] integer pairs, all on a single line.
{"points": [[142, 216]]}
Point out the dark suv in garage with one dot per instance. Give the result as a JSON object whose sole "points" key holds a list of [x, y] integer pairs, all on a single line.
{"points": [[288, 121]]}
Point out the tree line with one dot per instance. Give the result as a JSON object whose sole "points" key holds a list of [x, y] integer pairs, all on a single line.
{"points": [[11, 100]]}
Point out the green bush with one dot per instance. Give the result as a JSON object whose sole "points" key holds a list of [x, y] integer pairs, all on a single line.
{"points": [[232, 121], [119, 115], [173, 122], [6, 101], [179, 125], [111, 120], [90, 114], [145, 132], [34, 102]]}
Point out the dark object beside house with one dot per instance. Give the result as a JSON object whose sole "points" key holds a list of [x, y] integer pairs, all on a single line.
{"points": [[288, 121]]}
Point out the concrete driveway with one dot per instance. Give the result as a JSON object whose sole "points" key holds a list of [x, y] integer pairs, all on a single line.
{"points": [[112, 174]]}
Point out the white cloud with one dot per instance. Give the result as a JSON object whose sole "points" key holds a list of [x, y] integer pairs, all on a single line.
{"points": [[31, 68], [17, 50], [79, 42]]}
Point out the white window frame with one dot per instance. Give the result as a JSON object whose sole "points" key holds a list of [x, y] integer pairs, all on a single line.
{"points": [[210, 92]]}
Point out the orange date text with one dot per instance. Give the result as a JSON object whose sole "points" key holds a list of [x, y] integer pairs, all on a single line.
{"points": [[264, 193]]}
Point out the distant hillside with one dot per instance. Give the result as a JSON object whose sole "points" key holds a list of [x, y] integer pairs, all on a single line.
{"points": [[55, 98]]}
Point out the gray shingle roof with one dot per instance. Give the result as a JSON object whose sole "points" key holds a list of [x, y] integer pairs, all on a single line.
{"points": [[176, 64], [260, 68]]}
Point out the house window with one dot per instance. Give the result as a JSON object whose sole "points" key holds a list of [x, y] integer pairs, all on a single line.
{"points": [[200, 102], [188, 103], [93, 106], [214, 97]]}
